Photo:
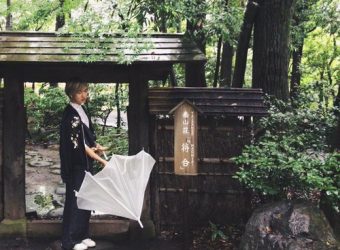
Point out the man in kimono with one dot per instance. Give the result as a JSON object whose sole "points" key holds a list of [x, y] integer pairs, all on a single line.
{"points": [[78, 149]]}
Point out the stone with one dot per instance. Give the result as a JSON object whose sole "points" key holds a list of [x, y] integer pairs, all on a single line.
{"points": [[55, 171], [40, 163], [57, 212], [55, 166], [61, 190], [291, 225]]}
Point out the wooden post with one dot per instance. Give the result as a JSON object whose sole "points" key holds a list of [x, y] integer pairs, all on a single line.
{"points": [[138, 115], [14, 149], [185, 157], [138, 125], [1, 156], [154, 181]]}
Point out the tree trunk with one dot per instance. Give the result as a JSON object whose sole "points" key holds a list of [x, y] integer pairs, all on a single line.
{"points": [[9, 24], [296, 71], [226, 65], [195, 72], [243, 44], [218, 60], [172, 77], [60, 18], [271, 36], [336, 137], [119, 117]]}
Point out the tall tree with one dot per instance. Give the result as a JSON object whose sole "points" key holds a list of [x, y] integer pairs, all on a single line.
{"points": [[9, 25], [60, 16], [271, 37], [302, 25], [195, 72], [243, 44], [227, 56], [336, 137], [226, 64], [218, 60]]}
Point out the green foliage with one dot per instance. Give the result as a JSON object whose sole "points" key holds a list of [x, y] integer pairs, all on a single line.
{"points": [[223, 21], [52, 104], [292, 158], [116, 140], [44, 112], [43, 200], [216, 232], [104, 100], [31, 102]]}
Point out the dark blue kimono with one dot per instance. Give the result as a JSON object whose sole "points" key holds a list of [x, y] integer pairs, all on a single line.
{"points": [[74, 162]]}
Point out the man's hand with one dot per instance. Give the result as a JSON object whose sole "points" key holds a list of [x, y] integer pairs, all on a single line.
{"points": [[99, 149]]}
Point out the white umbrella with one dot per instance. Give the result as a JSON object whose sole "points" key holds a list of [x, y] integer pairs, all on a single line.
{"points": [[119, 188]]}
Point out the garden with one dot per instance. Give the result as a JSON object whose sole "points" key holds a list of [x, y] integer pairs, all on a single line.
{"points": [[289, 171]]}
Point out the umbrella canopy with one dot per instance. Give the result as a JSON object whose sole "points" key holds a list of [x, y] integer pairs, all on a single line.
{"points": [[119, 188]]}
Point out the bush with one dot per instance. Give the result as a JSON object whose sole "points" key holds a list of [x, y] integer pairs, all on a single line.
{"points": [[52, 104], [34, 116], [116, 140], [292, 158], [44, 112]]}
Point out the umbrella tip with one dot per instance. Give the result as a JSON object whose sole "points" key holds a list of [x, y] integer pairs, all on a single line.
{"points": [[140, 223]]}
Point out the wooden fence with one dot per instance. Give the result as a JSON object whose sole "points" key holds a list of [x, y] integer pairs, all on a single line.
{"points": [[223, 130]]}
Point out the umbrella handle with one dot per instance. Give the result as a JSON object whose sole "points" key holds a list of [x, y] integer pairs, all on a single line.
{"points": [[105, 156]]}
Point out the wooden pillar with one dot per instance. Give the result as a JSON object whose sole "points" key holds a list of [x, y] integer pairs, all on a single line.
{"points": [[138, 115], [14, 149], [138, 125], [1, 155]]}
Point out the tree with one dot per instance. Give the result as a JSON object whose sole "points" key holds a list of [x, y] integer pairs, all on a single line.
{"points": [[60, 17], [195, 72], [271, 40], [9, 16], [243, 44]]}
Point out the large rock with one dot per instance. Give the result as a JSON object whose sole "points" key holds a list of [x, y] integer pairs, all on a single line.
{"points": [[291, 225]]}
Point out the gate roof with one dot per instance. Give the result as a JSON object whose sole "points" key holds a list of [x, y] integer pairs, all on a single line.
{"points": [[211, 101], [46, 57], [41, 47]]}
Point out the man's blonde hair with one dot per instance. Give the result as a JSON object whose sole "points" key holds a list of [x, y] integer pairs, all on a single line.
{"points": [[73, 87]]}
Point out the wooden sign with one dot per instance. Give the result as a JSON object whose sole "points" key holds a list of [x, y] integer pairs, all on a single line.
{"points": [[185, 151]]}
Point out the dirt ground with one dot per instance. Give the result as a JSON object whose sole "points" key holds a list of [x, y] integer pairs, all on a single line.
{"points": [[42, 177], [159, 243]]}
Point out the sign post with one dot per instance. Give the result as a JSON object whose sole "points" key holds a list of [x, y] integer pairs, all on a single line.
{"points": [[185, 156], [185, 127]]}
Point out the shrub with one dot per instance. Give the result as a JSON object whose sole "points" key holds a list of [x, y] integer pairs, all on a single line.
{"points": [[292, 158], [44, 112]]}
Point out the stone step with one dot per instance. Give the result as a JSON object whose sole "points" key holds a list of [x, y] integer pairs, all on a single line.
{"points": [[111, 229]]}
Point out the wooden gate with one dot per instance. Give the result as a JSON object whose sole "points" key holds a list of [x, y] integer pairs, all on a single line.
{"points": [[213, 195]]}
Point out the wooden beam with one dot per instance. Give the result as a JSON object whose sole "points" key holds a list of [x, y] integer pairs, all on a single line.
{"points": [[95, 73], [14, 149]]}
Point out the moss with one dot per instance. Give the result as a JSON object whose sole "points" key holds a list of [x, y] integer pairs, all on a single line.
{"points": [[12, 228]]}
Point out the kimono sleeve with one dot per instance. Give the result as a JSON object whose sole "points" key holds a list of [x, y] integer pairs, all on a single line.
{"points": [[71, 145]]}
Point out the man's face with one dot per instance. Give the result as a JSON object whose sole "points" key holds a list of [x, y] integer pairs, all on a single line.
{"points": [[80, 96]]}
